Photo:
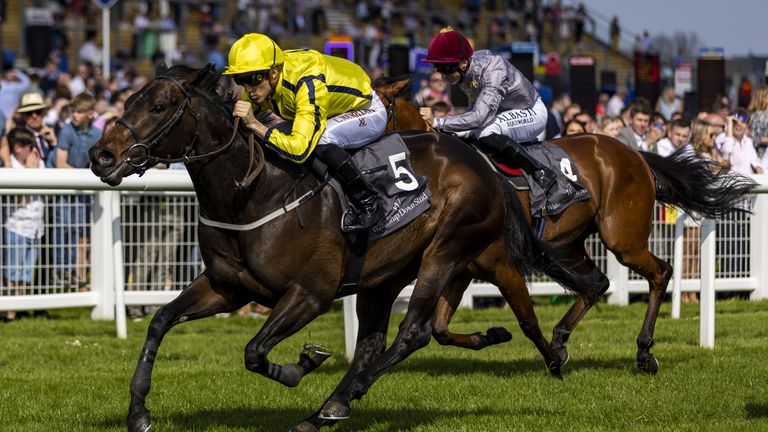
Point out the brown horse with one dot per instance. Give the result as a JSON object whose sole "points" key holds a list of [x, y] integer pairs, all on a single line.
{"points": [[296, 267], [624, 184]]}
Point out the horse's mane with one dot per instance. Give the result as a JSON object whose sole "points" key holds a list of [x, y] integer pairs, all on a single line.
{"points": [[208, 81]]}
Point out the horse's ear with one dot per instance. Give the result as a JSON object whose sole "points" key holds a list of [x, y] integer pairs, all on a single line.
{"points": [[207, 77], [161, 69]]}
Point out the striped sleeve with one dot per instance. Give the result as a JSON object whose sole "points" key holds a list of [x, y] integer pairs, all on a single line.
{"points": [[308, 124]]}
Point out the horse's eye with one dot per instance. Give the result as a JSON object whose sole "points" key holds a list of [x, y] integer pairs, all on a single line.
{"points": [[158, 108]]}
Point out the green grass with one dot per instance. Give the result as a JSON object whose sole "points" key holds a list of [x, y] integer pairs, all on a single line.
{"points": [[72, 374]]}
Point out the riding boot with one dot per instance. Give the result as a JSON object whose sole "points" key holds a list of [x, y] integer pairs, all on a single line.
{"points": [[365, 209], [513, 152]]}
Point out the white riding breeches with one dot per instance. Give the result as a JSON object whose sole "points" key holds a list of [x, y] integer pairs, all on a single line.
{"points": [[357, 128], [521, 125]]}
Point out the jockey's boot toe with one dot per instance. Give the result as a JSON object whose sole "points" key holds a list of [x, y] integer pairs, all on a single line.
{"points": [[364, 216]]}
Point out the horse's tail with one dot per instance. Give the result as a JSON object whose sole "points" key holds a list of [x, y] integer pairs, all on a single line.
{"points": [[529, 253], [697, 185]]}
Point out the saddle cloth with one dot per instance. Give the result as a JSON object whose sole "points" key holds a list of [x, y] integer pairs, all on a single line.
{"points": [[405, 195], [562, 194]]}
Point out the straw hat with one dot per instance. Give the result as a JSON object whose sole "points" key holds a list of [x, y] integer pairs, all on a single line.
{"points": [[31, 102]]}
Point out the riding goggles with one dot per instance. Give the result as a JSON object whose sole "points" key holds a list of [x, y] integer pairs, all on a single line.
{"points": [[446, 68], [251, 79]]}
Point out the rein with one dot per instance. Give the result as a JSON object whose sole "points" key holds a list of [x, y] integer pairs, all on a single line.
{"points": [[390, 109], [143, 160]]}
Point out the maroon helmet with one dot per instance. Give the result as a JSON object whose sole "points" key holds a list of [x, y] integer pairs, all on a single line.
{"points": [[448, 46]]}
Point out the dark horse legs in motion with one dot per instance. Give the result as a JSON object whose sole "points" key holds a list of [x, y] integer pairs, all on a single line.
{"points": [[292, 266], [624, 185]]}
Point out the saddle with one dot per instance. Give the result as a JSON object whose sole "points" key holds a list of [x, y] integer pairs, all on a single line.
{"points": [[561, 195]]}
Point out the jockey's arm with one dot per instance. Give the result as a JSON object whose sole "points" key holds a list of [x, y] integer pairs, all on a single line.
{"points": [[308, 124], [486, 107], [244, 109]]}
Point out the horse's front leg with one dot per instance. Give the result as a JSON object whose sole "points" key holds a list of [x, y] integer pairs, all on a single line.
{"points": [[294, 310], [198, 300]]}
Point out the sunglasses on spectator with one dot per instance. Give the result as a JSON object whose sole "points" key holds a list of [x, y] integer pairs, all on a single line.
{"points": [[251, 79], [446, 68], [36, 112], [741, 117]]}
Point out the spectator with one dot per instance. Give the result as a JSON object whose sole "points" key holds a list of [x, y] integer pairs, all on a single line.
{"points": [[31, 114], [440, 109], [436, 90], [722, 106], [615, 33], [758, 122], [574, 127], [589, 123], [703, 142], [610, 126], [23, 219], [559, 104], [13, 85], [71, 213], [570, 112], [669, 103], [677, 136], [637, 134], [615, 104], [738, 147]]}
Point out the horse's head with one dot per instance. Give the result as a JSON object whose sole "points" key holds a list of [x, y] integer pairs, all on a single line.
{"points": [[401, 113], [160, 124]]}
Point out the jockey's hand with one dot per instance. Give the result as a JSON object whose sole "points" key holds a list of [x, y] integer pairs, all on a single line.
{"points": [[426, 114], [243, 110]]}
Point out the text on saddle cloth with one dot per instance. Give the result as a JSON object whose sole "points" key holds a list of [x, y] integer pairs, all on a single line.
{"points": [[563, 193], [405, 195]]}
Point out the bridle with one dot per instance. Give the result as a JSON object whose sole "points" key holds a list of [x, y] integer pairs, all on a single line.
{"points": [[139, 155]]}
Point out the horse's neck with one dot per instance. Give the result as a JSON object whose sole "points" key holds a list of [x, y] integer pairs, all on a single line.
{"points": [[215, 184]]}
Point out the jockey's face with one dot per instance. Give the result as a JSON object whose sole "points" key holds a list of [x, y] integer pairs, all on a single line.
{"points": [[452, 72], [259, 84]]}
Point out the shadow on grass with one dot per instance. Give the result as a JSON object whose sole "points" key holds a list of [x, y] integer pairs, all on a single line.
{"points": [[269, 419], [756, 410]]}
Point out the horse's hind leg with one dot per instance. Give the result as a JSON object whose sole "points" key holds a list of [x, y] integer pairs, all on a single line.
{"points": [[198, 300], [658, 273], [596, 284], [446, 306]]}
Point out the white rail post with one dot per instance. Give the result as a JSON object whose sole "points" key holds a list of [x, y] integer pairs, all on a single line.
{"points": [[759, 247], [619, 277], [707, 298], [118, 282], [677, 266], [101, 256], [350, 325]]}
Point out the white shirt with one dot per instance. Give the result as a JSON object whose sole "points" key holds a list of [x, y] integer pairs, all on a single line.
{"points": [[26, 211], [741, 154]]}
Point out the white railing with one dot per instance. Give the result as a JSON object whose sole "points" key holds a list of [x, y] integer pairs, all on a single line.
{"points": [[108, 295]]}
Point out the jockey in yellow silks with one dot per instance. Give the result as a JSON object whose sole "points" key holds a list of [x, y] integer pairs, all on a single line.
{"points": [[330, 103]]}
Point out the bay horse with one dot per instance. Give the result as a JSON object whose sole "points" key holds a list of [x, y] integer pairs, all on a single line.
{"points": [[294, 264], [624, 185]]}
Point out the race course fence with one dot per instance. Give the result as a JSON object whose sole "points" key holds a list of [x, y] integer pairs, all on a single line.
{"points": [[108, 248]]}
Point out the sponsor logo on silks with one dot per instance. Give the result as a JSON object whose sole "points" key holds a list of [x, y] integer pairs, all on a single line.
{"points": [[351, 115], [567, 169], [362, 122]]}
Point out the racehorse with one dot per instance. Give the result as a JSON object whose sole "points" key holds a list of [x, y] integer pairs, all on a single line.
{"points": [[294, 264], [623, 184]]}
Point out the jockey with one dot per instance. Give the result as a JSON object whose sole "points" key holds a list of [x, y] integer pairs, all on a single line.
{"points": [[506, 109], [332, 106]]}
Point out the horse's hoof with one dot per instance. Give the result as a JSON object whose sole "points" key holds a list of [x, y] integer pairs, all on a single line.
{"points": [[315, 354], [333, 410], [139, 423], [650, 365], [555, 370], [497, 335], [304, 427], [564, 355]]}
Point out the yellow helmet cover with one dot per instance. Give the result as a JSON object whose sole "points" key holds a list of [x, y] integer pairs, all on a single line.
{"points": [[253, 52]]}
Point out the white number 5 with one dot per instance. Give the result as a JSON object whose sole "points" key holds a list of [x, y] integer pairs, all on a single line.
{"points": [[399, 171]]}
